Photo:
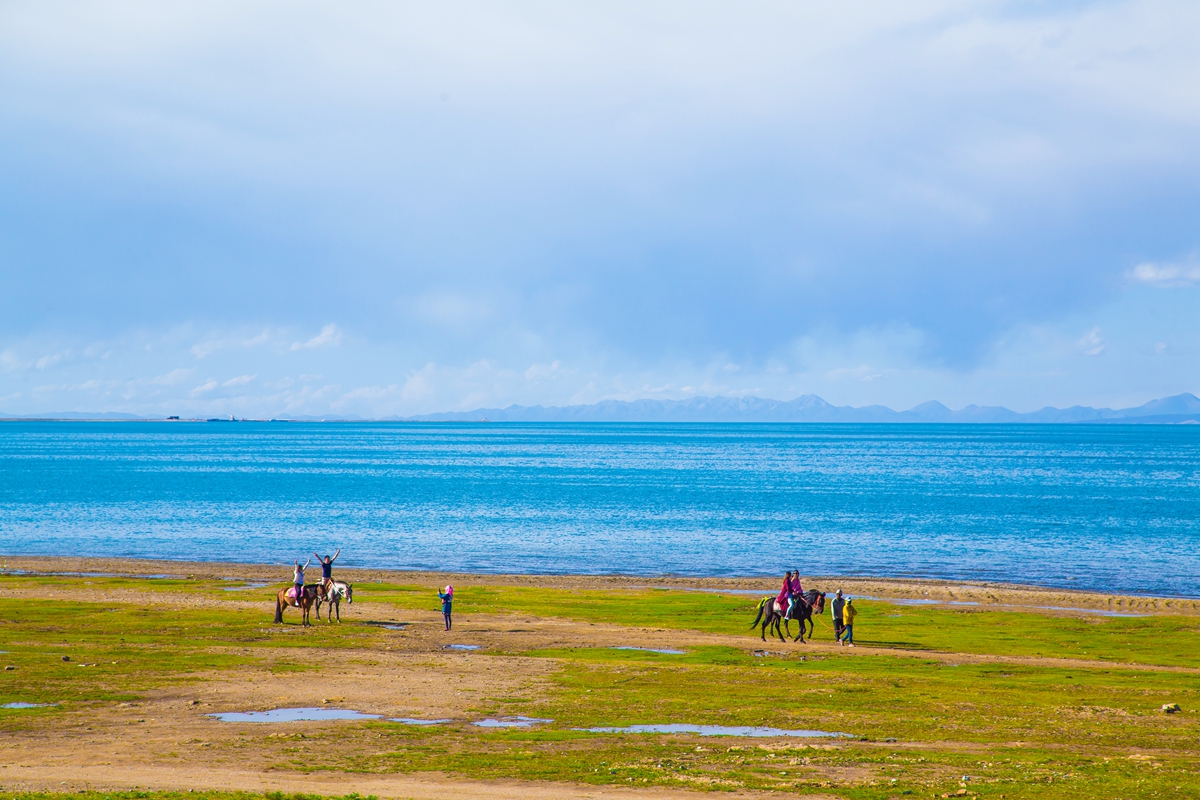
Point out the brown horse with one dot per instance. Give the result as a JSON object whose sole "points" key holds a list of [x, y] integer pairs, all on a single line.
{"points": [[307, 600], [802, 610]]}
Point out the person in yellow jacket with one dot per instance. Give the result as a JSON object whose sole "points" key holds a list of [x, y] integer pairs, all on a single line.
{"points": [[848, 615]]}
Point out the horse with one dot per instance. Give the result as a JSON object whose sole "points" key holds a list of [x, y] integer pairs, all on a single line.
{"points": [[801, 610], [810, 603], [334, 593], [307, 599]]}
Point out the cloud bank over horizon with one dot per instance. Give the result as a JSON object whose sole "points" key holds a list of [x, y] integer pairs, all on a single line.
{"points": [[270, 208]]}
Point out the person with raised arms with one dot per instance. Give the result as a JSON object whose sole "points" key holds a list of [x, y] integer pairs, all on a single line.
{"points": [[327, 568], [298, 580]]}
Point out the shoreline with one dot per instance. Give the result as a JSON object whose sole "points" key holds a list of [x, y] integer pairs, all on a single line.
{"points": [[980, 595]]}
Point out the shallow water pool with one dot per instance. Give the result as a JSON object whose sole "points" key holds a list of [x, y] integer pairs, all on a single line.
{"points": [[511, 722], [292, 715], [718, 730]]}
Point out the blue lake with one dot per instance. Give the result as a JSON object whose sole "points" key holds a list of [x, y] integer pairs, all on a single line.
{"points": [[1109, 507]]}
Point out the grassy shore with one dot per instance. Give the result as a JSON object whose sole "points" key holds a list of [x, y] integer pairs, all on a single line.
{"points": [[937, 699]]}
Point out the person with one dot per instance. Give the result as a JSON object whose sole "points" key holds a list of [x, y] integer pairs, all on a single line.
{"points": [[848, 615], [327, 569], [298, 580], [785, 593], [797, 592], [447, 598], [837, 607]]}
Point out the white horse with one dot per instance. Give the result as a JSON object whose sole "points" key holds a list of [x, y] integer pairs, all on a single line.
{"points": [[337, 591]]}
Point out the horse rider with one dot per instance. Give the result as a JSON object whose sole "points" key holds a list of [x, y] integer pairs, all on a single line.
{"points": [[785, 593], [327, 570], [298, 580], [796, 592]]}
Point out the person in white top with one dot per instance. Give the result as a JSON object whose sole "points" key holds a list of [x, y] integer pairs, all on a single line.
{"points": [[298, 579]]}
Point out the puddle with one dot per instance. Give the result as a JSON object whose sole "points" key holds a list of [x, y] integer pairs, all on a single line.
{"points": [[244, 588], [717, 730], [391, 626], [910, 601], [1100, 612], [292, 715], [511, 722], [411, 721], [664, 650], [460, 647], [26, 705]]}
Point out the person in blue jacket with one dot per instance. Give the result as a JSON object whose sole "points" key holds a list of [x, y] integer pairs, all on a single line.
{"points": [[447, 598]]}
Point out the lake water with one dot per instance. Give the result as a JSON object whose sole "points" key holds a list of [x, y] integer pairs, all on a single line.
{"points": [[1093, 507]]}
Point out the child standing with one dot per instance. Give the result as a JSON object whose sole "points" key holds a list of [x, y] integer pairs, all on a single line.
{"points": [[447, 598], [848, 615]]}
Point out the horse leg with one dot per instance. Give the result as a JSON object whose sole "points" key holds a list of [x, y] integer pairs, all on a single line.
{"points": [[338, 607]]}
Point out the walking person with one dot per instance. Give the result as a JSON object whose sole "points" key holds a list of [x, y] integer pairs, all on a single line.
{"points": [[447, 598], [298, 579], [848, 615], [837, 607]]}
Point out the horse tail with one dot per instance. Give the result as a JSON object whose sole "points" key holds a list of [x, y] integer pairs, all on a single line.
{"points": [[278, 610], [761, 604]]}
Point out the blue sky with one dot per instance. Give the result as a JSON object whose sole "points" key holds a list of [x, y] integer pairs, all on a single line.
{"points": [[288, 208]]}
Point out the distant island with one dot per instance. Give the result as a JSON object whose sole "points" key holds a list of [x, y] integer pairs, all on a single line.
{"points": [[1180, 409]]}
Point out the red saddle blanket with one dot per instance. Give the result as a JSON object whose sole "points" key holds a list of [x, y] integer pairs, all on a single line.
{"points": [[291, 594]]}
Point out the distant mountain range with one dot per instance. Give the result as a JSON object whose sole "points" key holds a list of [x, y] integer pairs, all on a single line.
{"points": [[1182, 408]]}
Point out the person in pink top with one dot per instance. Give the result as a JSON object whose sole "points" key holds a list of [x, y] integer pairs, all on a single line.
{"points": [[796, 591], [786, 592]]}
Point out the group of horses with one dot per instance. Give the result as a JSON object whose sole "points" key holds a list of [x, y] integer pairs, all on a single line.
{"points": [[315, 594], [806, 606]]}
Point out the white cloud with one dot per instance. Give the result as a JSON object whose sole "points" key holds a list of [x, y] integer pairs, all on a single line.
{"points": [[1093, 343], [538, 371], [240, 380], [204, 388], [1167, 275], [172, 378], [330, 336], [47, 361]]}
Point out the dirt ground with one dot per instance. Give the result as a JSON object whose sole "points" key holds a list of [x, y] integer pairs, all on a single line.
{"points": [[167, 741]]}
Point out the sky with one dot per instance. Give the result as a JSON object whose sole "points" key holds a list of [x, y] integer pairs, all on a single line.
{"points": [[268, 209]]}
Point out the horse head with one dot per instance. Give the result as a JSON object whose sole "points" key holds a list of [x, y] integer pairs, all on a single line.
{"points": [[350, 594]]}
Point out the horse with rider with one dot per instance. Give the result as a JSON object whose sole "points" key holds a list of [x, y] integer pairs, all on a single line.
{"points": [[792, 603], [304, 596]]}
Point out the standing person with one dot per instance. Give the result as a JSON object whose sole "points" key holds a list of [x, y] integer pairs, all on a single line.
{"points": [[837, 607], [447, 598], [298, 579], [848, 615], [327, 569], [785, 593]]}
